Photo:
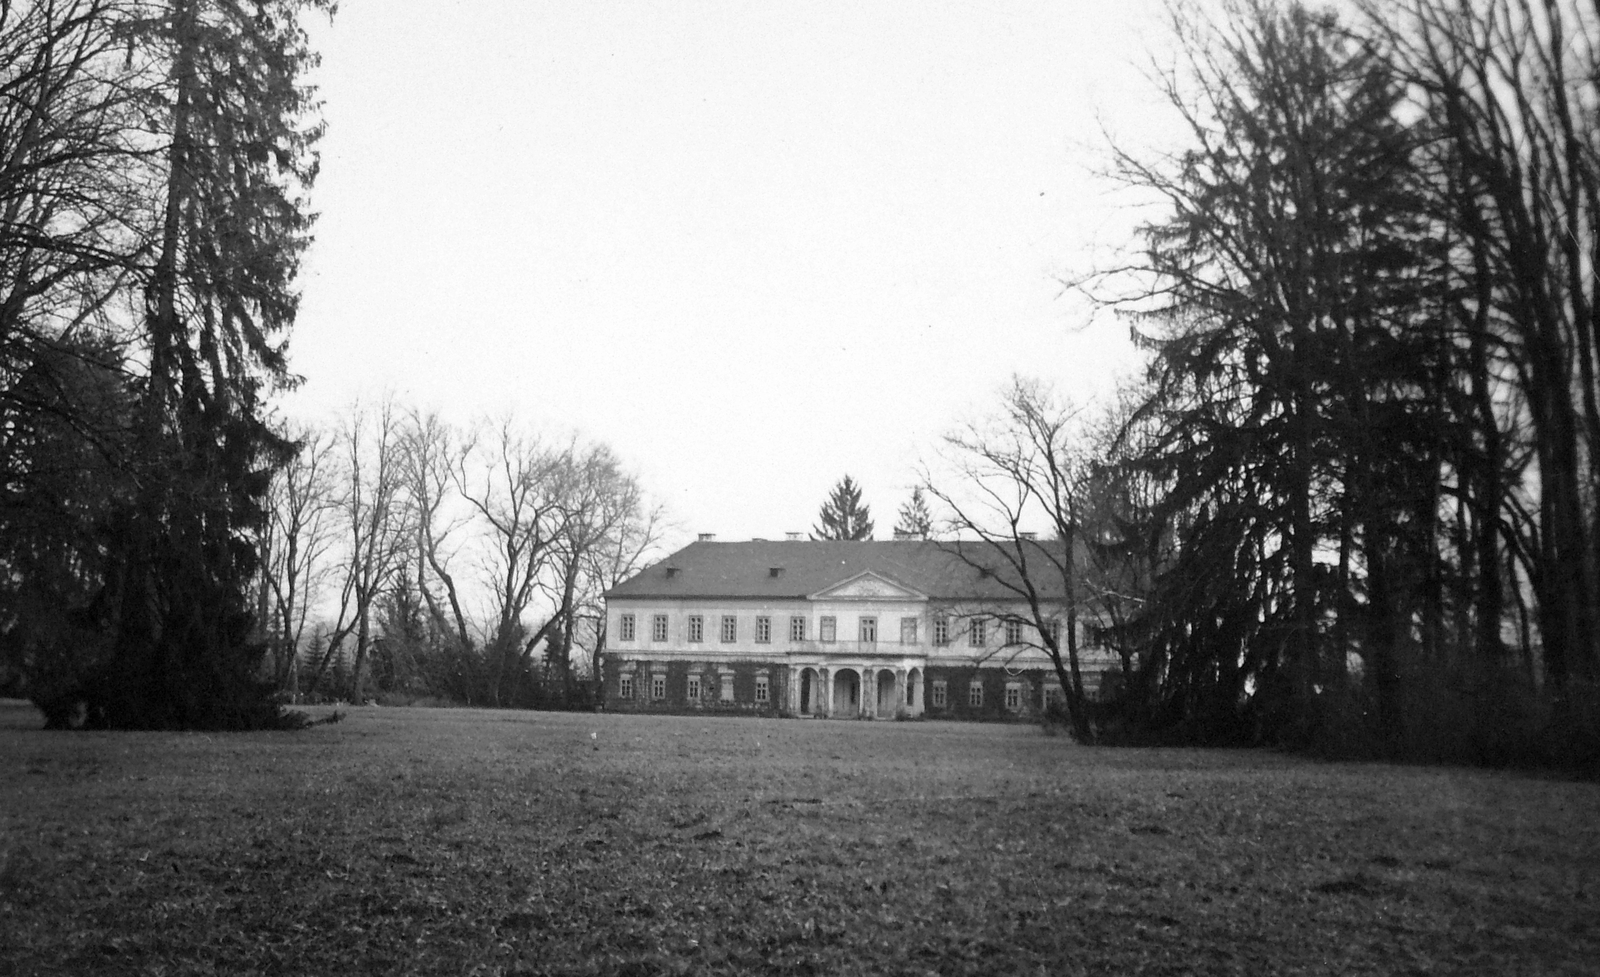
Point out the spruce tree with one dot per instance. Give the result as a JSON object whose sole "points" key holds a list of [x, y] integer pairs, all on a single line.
{"points": [[916, 522], [843, 516]]}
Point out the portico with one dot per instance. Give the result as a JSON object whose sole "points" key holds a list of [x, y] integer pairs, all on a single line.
{"points": [[845, 688]]}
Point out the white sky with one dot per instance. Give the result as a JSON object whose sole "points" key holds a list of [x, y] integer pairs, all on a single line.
{"points": [[753, 246]]}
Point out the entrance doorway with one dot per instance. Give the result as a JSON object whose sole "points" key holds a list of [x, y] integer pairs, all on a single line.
{"points": [[888, 694], [846, 693]]}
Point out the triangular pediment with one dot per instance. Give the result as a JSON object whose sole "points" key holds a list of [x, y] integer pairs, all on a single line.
{"points": [[868, 586]]}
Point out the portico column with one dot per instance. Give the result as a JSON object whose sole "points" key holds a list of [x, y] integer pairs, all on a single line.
{"points": [[900, 690], [824, 694]]}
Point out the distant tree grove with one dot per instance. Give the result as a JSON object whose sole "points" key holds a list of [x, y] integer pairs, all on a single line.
{"points": [[409, 559], [1354, 503]]}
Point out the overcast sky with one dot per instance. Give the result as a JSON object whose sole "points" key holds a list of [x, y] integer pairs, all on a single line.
{"points": [[753, 246]]}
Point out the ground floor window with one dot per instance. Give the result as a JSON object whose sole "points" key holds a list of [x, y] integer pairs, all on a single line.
{"points": [[761, 688], [975, 694], [626, 691], [727, 688], [1013, 696], [1052, 695], [694, 687], [938, 693], [658, 686]]}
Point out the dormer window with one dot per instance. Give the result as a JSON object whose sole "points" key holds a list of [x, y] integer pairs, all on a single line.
{"points": [[774, 571], [673, 571]]}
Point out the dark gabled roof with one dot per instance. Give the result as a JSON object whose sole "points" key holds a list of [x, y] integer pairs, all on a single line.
{"points": [[942, 570]]}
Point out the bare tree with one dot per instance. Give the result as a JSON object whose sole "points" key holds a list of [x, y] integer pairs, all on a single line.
{"points": [[1022, 469], [515, 483], [433, 459], [373, 521], [297, 544]]}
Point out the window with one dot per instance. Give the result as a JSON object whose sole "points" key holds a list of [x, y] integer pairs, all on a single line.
{"points": [[1013, 696], [869, 630], [727, 688], [626, 692], [975, 694], [763, 630], [1055, 631], [828, 628], [626, 627], [694, 687], [730, 628], [697, 628], [761, 688], [658, 628], [908, 630], [938, 693], [1013, 632], [797, 629], [1052, 696], [977, 633], [658, 686], [941, 630]]}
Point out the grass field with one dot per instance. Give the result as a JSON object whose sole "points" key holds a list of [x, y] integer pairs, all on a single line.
{"points": [[470, 842]]}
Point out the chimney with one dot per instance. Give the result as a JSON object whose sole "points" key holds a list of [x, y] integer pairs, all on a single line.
{"points": [[792, 535], [774, 571], [707, 537]]}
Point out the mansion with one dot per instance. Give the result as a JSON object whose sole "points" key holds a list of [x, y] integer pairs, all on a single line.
{"points": [[871, 630]]}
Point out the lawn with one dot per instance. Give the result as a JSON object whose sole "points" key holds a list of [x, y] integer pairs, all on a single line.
{"points": [[475, 842]]}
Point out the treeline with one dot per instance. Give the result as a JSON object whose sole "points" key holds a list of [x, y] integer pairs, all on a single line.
{"points": [[408, 559], [1362, 479], [1353, 504], [155, 156]]}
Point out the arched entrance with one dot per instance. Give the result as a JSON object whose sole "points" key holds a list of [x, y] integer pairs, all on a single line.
{"points": [[810, 692], [846, 693], [888, 694]]}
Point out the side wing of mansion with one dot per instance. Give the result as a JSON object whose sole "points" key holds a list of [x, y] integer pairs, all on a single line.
{"points": [[873, 629]]}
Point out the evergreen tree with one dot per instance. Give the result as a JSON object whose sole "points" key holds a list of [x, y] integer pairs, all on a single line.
{"points": [[916, 522], [175, 161], [843, 516]]}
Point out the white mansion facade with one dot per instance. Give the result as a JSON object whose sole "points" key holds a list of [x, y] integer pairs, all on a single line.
{"points": [[873, 629]]}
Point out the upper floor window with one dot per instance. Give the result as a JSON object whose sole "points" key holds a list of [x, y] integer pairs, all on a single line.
{"points": [[697, 628], [977, 632], [941, 630], [658, 629], [908, 630], [763, 630], [797, 629], [1013, 632], [869, 630], [828, 629], [1055, 631], [626, 627], [730, 628]]}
